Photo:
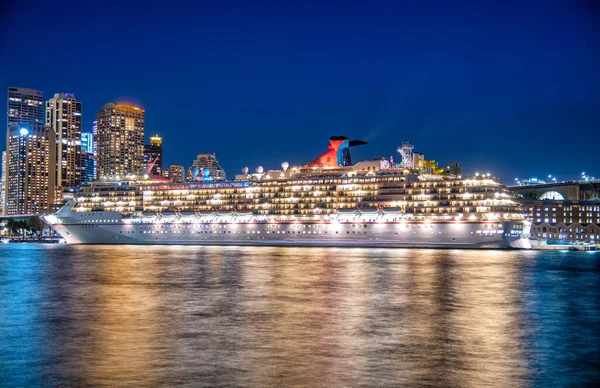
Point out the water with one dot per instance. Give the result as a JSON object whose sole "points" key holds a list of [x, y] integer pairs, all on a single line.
{"points": [[241, 316]]}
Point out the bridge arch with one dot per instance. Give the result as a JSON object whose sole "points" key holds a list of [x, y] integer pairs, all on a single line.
{"points": [[553, 195]]}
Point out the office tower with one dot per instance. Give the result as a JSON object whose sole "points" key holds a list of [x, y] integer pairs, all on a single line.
{"points": [[95, 146], [94, 136], [176, 173], [2, 186], [206, 161], [25, 106], [120, 144], [30, 169], [88, 158], [87, 143], [153, 156], [63, 116], [25, 109], [88, 167]]}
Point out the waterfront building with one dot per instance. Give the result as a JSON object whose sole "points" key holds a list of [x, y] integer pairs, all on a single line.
{"points": [[63, 116], [202, 161], [176, 173], [120, 144], [26, 161], [2, 186], [571, 221], [30, 169], [153, 156]]}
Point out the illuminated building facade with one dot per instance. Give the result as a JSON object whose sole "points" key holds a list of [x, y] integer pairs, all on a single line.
{"points": [[94, 137], [2, 185], [30, 170], [63, 116], [120, 145], [572, 221], [25, 106], [88, 167], [87, 142], [25, 110], [209, 161], [153, 155], [176, 173], [88, 158]]}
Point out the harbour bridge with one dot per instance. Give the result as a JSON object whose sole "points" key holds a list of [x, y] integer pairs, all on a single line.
{"points": [[571, 190]]}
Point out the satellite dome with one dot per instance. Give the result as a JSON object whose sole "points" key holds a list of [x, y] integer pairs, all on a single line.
{"points": [[245, 170], [285, 166], [260, 169]]}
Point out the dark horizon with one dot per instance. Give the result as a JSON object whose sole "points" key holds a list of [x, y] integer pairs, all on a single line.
{"points": [[508, 89]]}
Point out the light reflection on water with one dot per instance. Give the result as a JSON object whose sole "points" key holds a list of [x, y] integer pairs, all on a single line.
{"points": [[241, 316]]}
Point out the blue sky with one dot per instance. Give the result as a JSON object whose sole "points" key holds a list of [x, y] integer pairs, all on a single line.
{"points": [[510, 88]]}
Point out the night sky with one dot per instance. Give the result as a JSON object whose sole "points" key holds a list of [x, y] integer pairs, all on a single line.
{"points": [[511, 89]]}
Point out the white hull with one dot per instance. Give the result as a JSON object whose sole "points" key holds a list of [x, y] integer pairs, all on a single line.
{"points": [[110, 228]]}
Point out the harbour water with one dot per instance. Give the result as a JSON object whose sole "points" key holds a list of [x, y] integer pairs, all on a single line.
{"points": [[256, 316]]}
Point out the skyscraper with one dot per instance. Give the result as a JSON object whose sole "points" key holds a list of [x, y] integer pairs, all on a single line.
{"points": [[63, 116], [88, 167], [88, 158], [30, 169], [94, 136], [29, 172], [25, 106], [120, 144], [95, 146], [153, 155], [87, 144], [2, 185]]}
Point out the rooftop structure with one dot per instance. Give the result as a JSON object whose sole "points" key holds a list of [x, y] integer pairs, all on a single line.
{"points": [[204, 167]]}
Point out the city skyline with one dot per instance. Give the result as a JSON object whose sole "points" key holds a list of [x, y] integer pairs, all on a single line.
{"points": [[515, 102]]}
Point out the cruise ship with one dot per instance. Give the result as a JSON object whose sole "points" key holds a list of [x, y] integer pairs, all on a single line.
{"points": [[328, 202]]}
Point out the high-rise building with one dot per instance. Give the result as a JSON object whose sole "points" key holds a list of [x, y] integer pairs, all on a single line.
{"points": [[87, 142], [206, 161], [88, 158], [25, 106], [153, 155], [30, 169], [2, 186], [88, 167], [120, 144], [176, 173], [95, 146], [94, 136], [63, 116]]}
